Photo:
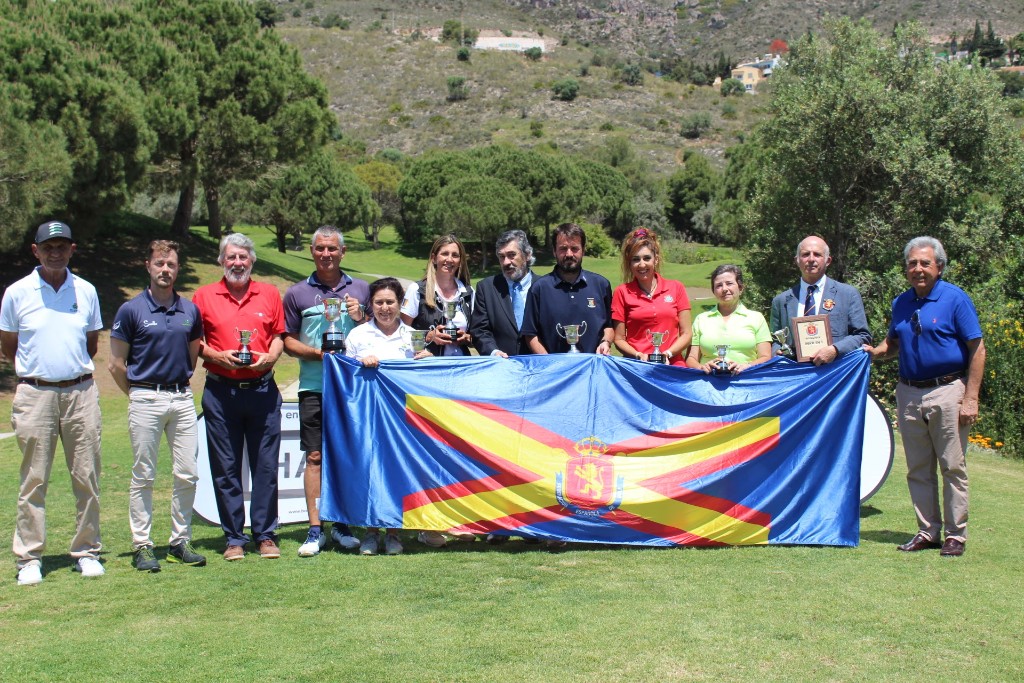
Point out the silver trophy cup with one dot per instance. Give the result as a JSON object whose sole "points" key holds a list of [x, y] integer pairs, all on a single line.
{"points": [[419, 340], [450, 311], [782, 337], [244, 338], [722, 366], [333, 339], [571, 334], [657, 339]]}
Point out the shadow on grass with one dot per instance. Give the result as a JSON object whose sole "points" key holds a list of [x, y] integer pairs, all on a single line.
{"points": [[868, 511], [886, 536]]}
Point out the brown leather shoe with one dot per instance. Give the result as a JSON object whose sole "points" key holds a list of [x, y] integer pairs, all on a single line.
{"points": [[918, 542], [234, 552], [952, 548], [269, 549]]}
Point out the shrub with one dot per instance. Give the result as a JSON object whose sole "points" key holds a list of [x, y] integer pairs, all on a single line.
{"points": [[693, 125], [536, 129], [584, 70], [728, 110], [462, 54], [334, 20], [732, 86], [457, 88], [533, 53], [631, 74], [566, 89], [599, 244], [606, 126]]}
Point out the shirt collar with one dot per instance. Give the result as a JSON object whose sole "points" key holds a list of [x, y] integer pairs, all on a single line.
{"points": [[582, 279], [40, 282], [820, 285], [314, 281], [154, 306], [524, 283]]}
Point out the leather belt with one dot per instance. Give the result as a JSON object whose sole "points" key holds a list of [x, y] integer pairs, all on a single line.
{"points": [[179, 388], [934, 382], [63, 384], [253, 383]]}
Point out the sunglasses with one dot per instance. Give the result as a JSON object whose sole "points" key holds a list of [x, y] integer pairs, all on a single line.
{"points": [[915, 321]]}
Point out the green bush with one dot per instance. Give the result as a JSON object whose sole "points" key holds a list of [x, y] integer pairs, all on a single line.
{"points": [[462, 54], [566, 89], [631, 74], [599, 244], [693, 125], [676, 250], [732, 86], [533, 54], [537, 129], [728, 110], [457, 89], [334, 20]]}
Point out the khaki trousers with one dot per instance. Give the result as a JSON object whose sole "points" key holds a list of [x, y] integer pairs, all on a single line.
{"points": [[41, 415], [929, 421], [150, 415]]}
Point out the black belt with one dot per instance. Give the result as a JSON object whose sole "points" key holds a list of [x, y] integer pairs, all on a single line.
{"points": [[63, 384], [253, 383], [933, 382], [179, 388]]}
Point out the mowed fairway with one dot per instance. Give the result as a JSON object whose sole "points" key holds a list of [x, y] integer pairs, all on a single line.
{"points": [[517, 612]]}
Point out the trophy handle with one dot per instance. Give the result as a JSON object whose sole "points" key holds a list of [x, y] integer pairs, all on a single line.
{"points": [[559, 330], [583, 328]]}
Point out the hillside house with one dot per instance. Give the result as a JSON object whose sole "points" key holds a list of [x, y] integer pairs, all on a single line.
{"points": [[752, 73]]}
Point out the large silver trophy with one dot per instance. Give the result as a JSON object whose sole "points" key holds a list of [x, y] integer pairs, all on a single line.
{"points": [[782, 337], [657, 339], [450, 311], [722, 365], [333, 339], [571, 334], [244, 338]]}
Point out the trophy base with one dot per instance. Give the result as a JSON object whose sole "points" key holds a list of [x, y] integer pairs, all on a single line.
{"points": [[722, 371], [658, 358], [244, 358], [332, 343], [452, 331]]}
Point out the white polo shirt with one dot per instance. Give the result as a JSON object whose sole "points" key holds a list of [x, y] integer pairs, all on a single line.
{"points": [[368, 340], [51, 326]]}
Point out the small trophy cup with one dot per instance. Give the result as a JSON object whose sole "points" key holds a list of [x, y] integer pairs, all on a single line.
{"points": [[333, 338], [419, 340], [244, 337], [657, 339], [722, 366], [782, 337], [571, 334], [450, 310]]}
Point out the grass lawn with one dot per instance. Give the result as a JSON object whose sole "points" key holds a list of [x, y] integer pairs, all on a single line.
{"points": [[473, 612]]}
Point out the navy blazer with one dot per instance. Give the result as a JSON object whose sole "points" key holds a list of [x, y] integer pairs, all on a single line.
{"points": [[847, 320], [493, 323]]}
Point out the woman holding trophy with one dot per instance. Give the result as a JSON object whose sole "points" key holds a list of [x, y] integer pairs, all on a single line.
{"points": [[441, 302], [384, 337], [650, 314], [730, 337]]}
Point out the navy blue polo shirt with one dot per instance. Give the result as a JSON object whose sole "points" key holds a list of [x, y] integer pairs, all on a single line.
{"points": [[158, 337], [553, 301], [948, 321]]}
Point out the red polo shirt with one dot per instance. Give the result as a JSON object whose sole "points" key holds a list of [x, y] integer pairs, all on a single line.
{"points": [[657, 313], [260, 309]]}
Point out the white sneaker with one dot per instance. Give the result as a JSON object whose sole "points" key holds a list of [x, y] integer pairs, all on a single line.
{"points": [[343, 537], [30, 575], [90, 567], [392, 546], [433, 539], [316, 539], [370, 544]]}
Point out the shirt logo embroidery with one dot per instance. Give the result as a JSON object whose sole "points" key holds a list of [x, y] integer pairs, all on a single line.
{"points": [[591, 303], [117, 325], [149, 323], [669, 299]]}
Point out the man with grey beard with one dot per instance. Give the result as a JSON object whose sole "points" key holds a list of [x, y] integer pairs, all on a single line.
{"points": [[500, 302], [241, 402]]}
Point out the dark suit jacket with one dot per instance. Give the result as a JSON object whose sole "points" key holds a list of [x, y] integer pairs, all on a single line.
{"points": [[847, 321], [493, 324]]}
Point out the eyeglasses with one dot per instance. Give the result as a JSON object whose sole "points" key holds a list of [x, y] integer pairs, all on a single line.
{"points": [[915, 321]]}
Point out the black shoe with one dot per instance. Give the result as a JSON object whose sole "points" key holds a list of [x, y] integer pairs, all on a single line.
{"points": [[145, 560], [184, 553]]}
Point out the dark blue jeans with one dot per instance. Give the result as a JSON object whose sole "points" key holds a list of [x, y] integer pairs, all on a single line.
{"points": [[252, 417]]}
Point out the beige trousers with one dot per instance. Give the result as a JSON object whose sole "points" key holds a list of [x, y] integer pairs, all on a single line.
{"points": [[929, 421], [152, 414], [41, 415]]}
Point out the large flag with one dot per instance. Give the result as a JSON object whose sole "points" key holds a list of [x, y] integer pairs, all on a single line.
{"points": [[600, 449]]}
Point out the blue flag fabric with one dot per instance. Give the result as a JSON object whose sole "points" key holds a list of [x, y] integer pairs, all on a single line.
{"points": [[597, 449]]}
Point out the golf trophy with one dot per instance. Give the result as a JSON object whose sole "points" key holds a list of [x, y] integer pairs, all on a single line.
{"points": [[450, 310], [571, 334], [782, 337], [333, 338], [419, 340], [244, 337], [657, 339], [722, 366]]}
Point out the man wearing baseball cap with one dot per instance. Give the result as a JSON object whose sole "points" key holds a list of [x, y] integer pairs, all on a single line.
{"points": [[49, 325]]}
